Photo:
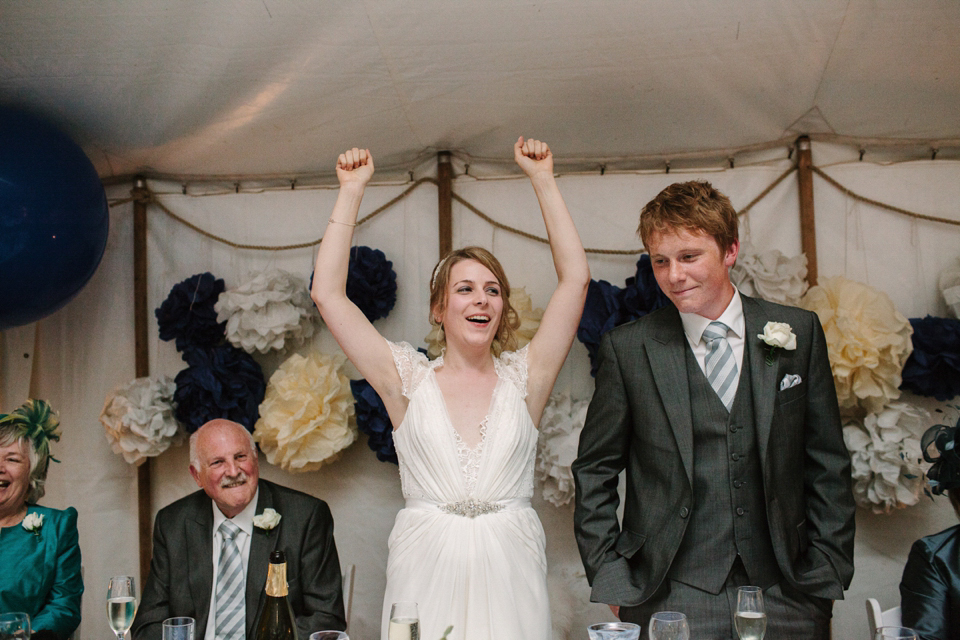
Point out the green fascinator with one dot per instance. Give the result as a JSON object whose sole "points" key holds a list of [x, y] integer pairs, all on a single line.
{"points": [[38, 422]]}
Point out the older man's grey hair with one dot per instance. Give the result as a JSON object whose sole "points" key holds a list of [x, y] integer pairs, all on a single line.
{"points": [[195, 436]]}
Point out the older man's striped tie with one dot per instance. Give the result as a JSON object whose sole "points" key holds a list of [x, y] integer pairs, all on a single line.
{"points": [[231, 612]]}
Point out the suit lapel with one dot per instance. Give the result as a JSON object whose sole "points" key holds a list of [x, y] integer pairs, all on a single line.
{"points": [[667, 347], [199, 534], [763, 377], [261, 544]]}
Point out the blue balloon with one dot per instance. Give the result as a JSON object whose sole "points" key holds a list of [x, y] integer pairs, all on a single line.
{"points": [[53, 218]]}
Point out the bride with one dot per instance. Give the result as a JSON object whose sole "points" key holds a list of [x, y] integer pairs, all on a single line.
{"points": [[467, 546]]}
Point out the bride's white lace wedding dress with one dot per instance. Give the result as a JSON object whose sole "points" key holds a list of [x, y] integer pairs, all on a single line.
{"points": [[468, 548]]}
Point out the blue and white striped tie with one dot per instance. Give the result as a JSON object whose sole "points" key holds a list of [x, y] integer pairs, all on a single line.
{"points": [[231, 612], [721, 366]]}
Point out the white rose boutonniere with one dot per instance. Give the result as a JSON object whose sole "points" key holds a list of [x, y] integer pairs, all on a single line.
{"points": [[777, 335], [266, 520], [33, 522]]}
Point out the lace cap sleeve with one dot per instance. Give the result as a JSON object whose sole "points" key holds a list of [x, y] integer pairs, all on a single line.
{"points": [[513, 367], [411, 365]]}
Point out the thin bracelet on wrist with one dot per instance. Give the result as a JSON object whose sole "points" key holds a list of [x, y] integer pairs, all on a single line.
{"points": [[346, 224]]}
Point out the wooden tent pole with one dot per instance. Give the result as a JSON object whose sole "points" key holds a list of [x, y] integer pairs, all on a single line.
{"points": [[808, 230], [139, 193], [445, 201]]}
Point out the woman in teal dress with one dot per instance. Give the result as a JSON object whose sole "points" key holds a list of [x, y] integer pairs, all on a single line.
{"points": [[39, 546]]}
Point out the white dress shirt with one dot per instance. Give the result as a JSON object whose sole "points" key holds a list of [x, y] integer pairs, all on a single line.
{"points": [[694, 326], [244, 520]]}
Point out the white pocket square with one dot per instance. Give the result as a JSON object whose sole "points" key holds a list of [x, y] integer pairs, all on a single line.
{"points": [[789, 380]]}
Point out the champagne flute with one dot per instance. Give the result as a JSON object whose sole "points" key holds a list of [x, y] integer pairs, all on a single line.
{"points": [[14, 626], [895, 633], [404, 621], [751, 620], [121, 604], [669, 625]]}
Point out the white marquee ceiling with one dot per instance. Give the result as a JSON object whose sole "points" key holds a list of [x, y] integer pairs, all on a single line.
{"points": [[281, 86]]}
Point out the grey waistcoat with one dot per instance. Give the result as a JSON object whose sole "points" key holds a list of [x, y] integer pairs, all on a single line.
{"points": [[729, 515]]}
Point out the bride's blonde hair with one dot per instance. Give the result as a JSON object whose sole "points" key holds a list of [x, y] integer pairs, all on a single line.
{"points": [[505, 338]]}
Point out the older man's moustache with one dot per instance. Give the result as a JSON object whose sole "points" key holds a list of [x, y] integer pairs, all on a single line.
{"points": [[239, 480]]}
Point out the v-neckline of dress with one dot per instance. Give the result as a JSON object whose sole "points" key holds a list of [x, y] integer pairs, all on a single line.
{"points": [[468, 458]]}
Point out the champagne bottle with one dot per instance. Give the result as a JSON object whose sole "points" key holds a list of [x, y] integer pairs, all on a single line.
{"points": [[276, 618]]}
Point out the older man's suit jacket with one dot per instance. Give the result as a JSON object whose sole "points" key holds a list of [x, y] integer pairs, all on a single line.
{"points": [[640, 420], [181, 572]]}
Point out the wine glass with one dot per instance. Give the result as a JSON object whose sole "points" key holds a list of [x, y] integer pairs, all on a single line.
{"points": [[121, 603], [14, 626], [895, 633], [669, 625], [178, 628], [404, 621], [614, 631], [750, 618], [329, 635]]}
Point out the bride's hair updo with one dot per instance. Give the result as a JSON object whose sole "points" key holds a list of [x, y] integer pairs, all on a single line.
{"points": [[505, 339]]}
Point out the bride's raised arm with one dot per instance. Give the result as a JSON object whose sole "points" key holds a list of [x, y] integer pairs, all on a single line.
{"points": [[358, 338], [553, 339]]}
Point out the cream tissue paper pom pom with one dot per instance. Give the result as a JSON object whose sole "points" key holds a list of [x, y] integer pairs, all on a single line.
{"points": [[770, 275], [868, 341], [138, 418], [888, 467], [560, 429], [268, 313], [306, 413], [521, 302], [530, 318], [950, 288]]}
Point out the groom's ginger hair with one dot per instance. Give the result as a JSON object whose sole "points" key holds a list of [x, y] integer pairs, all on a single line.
{"points": [[693, 206]]}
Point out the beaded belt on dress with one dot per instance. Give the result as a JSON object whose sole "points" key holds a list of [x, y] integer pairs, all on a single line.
{"points": [[469, 508]]}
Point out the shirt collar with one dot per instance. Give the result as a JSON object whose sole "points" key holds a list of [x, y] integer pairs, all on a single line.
{"points": [[244, 519], [694, 325]]}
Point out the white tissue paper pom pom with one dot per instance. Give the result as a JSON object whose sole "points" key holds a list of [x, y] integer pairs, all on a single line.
{"points": [[888, 467], [271, 312], [560, 429], [138, 418], [770, 275], [950, 288]]}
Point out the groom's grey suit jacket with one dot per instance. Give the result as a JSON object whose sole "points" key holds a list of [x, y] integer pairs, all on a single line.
{"points": [[640, 420], [181, 572]]}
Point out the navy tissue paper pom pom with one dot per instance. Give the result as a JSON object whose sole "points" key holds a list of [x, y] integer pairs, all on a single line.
{"points": [[372, 419], [188, 316], [933, 369], [371, 282], [608, 306], [219, 382]]}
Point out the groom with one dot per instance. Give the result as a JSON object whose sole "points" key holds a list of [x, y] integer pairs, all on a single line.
{"points": [[736, 470]]}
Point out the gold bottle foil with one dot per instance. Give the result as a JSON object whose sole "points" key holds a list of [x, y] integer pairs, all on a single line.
{"points": [[277, 580]]}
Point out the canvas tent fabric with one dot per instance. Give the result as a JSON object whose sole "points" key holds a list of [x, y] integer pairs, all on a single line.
{"points": [[270, 90], [272, 87]]}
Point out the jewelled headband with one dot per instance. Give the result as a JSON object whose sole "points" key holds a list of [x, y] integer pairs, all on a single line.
{"points": [[436, 272], [36, 421]]}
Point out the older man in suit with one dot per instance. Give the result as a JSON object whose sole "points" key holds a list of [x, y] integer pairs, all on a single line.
{"points": [[211, 549], [726, 422]]}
